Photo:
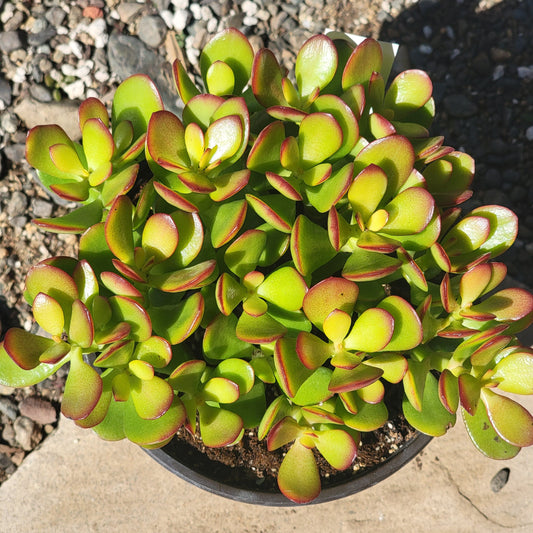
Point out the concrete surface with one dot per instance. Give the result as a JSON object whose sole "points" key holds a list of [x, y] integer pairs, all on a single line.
{"points": [[78, 483]]}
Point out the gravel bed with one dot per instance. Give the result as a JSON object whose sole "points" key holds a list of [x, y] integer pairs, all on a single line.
{"points": [[55, 53]]}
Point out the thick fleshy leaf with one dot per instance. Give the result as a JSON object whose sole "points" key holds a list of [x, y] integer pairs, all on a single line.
{"points": [[74, 191], [276, 210], [327, 295], [373, 393], [229, 293], [414, 382], [219, 427], [119, 229], [82, 389], [151, 398], [52, 281], [336, 326], [155, 350], [285, 431], [227, 222], [485, 438], [224, 137], [325, 195], [410, 90], [92, 108], [220, 79], [314, 147], [310, 246], [372, 331], [115, 355], [407, 327], [149, 432], [512, 422], [48, 314], [366, 59], [514, 373], [229, 184], [75, 221], [397, 169], [242, 256], [174, 199], [337, 447], [291, 372], [344, 380], [129, 311], [316, 64], [136, 99], [449, 390], [81, 330], [394, 366], [312, 351], [367, 190], [503, 228], [469, 391], [98, 143], [363, 265], [66, 159], [120, 183], [55, 353], [298, 477], [221, 340], [507, 304], [489, 350], [25, 348], [118, 285], [360, 415], [266, 79], [237, 371], [221, 390], [184, 84], [165, 141], [285, 288], [314, 390], [187, 376], [259, 330], [432, 419], [234, 49], [192, 277], [160, 236], [403, 219]]}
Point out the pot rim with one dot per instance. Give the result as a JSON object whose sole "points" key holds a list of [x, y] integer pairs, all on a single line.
{"points": [[370, 477]]}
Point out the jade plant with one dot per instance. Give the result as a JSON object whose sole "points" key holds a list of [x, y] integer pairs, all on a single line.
{"points": [[277, 258]]}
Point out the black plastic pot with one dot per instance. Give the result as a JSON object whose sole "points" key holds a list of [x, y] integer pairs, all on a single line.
{"points": [[188, 468]]}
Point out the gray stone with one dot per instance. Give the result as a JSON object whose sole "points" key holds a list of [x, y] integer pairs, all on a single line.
{"points": [[459, 106], [39, 410], [5, 91], [41, 93], [24, 428], [38, 39], [8, 408], [8, 434], [65, 114], [128, 55], [127, 11], [15, 152], [500, 480], [11, 40], [152, 30], [55, 16], [17, 204], [41, 208]]}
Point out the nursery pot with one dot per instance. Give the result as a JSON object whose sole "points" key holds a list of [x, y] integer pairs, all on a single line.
{"points": [[191, 465]]}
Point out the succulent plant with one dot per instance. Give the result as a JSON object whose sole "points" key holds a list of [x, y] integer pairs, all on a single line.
{"points": [[275, 258]]}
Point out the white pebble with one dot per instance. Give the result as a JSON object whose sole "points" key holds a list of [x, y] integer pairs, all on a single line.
{"points": [[529, 133], [525, 73], [101, 75], [428, 32], [425, 49], [19, 75], [196, 11], [498, 72], [180, 4], [249, 21], [77, 48], [61, 30], [212, 26], [75, 90], [166, 15], [179, 20], [249, 8]]}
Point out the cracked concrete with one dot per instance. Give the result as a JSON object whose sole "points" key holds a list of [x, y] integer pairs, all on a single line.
{"points": [[77, 482]]}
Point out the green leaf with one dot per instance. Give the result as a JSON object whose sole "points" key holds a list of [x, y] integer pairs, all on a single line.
{"points": [[367, 417], [165, 141], [313, 146], [310, 246], [259, 330], [119, 183], [485, 438], [337, 447], [151, 397], [192, 277], [298, 477], [220, 79], [372, 331], [136, 99], [129, 311], [366, 59], [285, 288], [276, 210], [81, 329], [187, 377], [433, 419], [409, 91], [344, 380], [92, 108], [25, 348], [234, 49], [314, 390], [363, 265], [514, 373], [266, 79], [119, 229], [512, 422], [186, 87], [98, 143], [316, 64], [407, 326], [75, 221], [48, 314], [227, 221], [219, 427]]}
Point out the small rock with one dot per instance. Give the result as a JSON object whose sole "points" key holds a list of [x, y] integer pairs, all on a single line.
{"points": [[152, 30], [18, 221], [41, 93], [5, 91], [65, 114], [15, 152], [525, 73], [41, 208], [180, 19], [500, 480], [92, 12], [8, 408], [6, 465], [529, 133], [8, 434], [499, 55], [11, 40], [38, 39], [459, 106], [127, 11], [55, 16], [75, 89], [24, 432], [39, 410]]}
